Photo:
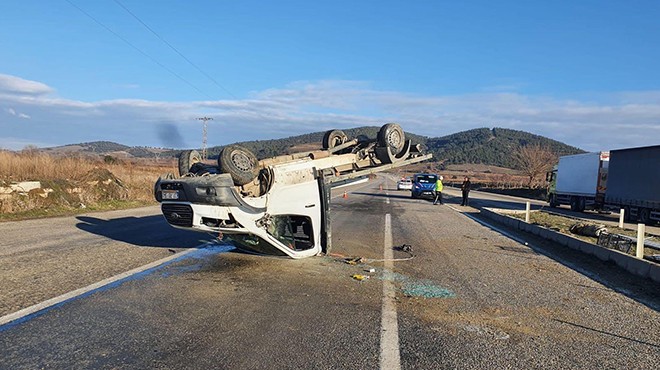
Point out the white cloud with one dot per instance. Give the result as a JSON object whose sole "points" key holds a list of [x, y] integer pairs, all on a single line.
{"points": [[13, 112], [16, 85], [606, 121]]}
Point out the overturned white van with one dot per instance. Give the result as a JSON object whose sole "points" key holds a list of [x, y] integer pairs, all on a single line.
{"points": [[280, 205]]}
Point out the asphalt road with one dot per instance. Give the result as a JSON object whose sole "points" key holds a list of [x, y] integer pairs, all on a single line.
{"points": [[470, 298]]}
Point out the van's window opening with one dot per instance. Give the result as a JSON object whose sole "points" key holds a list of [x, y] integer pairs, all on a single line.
{"points": [[293, 231]]}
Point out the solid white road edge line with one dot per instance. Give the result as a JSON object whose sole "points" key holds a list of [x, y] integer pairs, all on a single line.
{"points": [[75, 293], [389, 331], [490, 226]]}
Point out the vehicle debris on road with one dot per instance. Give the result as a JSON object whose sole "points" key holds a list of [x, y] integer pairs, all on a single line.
{"points": [[360, 277]]}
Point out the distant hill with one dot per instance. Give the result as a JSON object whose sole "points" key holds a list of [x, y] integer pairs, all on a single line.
{"points": [[109, 148], [491, 146], [479, 146]]}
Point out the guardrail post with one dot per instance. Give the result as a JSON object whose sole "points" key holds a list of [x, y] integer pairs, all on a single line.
{"points": [[527, 209], [641, 229], [621, 216]]}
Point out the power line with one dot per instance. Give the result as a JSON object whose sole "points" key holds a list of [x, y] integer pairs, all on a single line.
{"points": [[139, 50], [173, 48]]}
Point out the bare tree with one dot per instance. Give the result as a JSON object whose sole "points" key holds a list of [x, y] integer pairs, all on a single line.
{"points": [[534, 160]]}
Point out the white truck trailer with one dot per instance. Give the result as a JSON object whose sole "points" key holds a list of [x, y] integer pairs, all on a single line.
{"points": [[579, 180]]}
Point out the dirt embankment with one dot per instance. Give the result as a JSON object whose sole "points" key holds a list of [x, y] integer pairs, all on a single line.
{"points": [[34, 185]]}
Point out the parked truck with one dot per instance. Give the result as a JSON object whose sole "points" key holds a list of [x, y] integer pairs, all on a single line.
{"points": [[627, 179], [279, 205], [579, 180], [634, 183]]}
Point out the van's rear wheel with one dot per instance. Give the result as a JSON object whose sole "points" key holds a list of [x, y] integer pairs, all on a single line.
{"points": [[392, 135], [239, 162], [334, 138], [186, 160]]}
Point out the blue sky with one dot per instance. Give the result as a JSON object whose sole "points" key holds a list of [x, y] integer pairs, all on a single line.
{"points": [[582, 72]]}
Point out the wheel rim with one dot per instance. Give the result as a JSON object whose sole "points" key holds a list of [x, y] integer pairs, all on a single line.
{"points": [[242, 161], [394, 139]]}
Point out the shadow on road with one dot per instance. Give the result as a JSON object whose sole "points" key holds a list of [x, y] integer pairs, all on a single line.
{"points": [[148, 231], [654, 345]]}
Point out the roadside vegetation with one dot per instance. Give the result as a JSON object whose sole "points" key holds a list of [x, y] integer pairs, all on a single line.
{"points": [[74, 183]]}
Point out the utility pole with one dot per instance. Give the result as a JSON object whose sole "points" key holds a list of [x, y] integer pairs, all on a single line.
{"points": [[205, 119]]}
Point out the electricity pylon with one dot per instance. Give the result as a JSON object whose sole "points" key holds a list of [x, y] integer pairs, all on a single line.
{"points": [[204, 130]]}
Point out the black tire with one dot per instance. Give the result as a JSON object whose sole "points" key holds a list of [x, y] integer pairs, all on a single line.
{"points": [[392, 135], [239, 162], [553, 201], [581, 204], [334, 138], [627, 217], [574, 204], [644, 216], [187, 159]]}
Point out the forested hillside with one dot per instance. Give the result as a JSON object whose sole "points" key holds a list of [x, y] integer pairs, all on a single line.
{"points": [[490, 146], [480, 146]]}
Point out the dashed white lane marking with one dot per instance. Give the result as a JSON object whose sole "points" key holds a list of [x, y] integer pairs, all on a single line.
{"points": [[389, 327], [78, 292]]}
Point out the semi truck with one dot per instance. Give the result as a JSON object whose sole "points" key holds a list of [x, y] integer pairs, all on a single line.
{"points": [[280, 205], [634, 183], [627, 179]]}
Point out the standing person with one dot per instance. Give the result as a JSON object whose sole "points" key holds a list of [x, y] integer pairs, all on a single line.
{"points": [[438, 191], [465, 189]]}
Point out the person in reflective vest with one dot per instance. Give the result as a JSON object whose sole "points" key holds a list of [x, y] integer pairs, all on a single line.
{"points": [[438, 191]]}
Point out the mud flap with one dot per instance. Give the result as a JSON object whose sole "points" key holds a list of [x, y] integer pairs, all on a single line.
{"points": [[326, 229]]}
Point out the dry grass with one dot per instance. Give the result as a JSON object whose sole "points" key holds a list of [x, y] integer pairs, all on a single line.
{"points": [[136, 177]]}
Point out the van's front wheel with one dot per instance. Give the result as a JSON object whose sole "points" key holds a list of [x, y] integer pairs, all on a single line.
{"points": [[186, 159]]}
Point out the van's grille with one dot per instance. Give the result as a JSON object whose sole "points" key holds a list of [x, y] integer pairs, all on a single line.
{"points": [[178, 214]]}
